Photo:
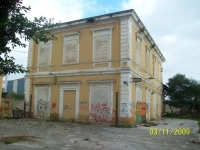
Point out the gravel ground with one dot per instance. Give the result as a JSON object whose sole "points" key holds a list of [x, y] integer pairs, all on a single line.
{"points": [[66, 135]]}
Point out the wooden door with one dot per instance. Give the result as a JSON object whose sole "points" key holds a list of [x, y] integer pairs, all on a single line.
{"points": [[69, 99]]}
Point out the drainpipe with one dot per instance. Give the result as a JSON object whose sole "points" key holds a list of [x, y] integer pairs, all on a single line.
{"points": [[31, 80], [117, 73]]}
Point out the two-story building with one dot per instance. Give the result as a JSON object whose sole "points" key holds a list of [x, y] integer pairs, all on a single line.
{"points": [[87, 74]]}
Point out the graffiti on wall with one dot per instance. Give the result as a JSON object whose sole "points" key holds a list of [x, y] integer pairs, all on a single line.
{"points": [[141, 112], [141, 108], [125, 109], [65, 107], [100, 113], [42, 107], [83, 105], [53, 105]]}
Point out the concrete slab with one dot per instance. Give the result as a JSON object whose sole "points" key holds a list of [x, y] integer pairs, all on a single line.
{"points": [[53, 135]]}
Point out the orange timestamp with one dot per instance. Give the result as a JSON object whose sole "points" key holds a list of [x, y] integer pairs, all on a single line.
{"points": [[167, 131]]}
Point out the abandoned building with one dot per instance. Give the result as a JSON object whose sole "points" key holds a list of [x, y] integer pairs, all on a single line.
{"points": [[105, 69]]}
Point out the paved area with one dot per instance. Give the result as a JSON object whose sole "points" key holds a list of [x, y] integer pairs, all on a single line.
{"points": [[67, 136]]}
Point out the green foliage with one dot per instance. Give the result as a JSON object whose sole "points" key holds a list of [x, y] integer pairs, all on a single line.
{"points": [[121, 126], [86, 139], [182, 92], [17, 96], [8, 142], [14, 26], [54, 120]]}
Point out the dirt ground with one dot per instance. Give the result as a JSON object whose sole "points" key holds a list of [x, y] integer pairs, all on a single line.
{"points": [[24, 134]]}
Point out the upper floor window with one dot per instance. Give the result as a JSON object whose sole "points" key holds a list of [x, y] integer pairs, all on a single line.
{"points": [[44, 53], [154, 66], [147, 60], [138, 50], [102, 41], [71, 48], [159, 72]]}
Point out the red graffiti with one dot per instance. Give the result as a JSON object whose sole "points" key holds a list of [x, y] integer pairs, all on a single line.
{"points": [[53, 105], [84, 107], [100, 113], [114, 112], [105, 106]]}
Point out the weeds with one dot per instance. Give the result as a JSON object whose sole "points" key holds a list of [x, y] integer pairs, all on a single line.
{"points": [[122, 126], [8, 142], [1, 118], [54, 120], [86, 139], [13, 139], [178, 116]]}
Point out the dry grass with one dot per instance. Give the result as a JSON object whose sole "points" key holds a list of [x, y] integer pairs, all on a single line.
{"points": [[20, 138]]}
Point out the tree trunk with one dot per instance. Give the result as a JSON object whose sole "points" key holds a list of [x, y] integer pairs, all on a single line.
{"points": [[171, 109], [181, 110]]}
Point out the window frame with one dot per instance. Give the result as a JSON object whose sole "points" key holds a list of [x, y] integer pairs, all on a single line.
{"points": [[50, 53], [78, 46], [138, 51], [109, 32]]}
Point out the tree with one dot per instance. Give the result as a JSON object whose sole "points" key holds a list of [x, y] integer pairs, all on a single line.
{"points": [[194, 90], [14, 26], [178, 91], [183, 92]]}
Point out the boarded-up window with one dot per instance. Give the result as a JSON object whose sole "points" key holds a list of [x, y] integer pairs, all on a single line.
{"points": [[138, 93], [71, 48], [138, 51], [159, 72], [44, 54], [102, 44], [154, 66], [147, 60]]}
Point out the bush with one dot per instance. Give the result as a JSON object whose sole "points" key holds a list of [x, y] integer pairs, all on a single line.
{"points": [[17, 96]]}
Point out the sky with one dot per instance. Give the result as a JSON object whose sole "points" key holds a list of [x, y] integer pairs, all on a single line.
{"points": [[173, 24]]}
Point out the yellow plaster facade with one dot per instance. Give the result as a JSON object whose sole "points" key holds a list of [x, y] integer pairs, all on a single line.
{"points": [[86, 75]]}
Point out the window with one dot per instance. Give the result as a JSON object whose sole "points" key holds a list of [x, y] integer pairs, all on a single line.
{"points": [[159, 72], [71, 48], [138, 50], [154, 66], [147, 60], [102, 44], [44, 54], [138, 93]]}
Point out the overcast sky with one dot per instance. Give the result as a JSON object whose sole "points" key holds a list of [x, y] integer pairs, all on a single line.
{"points": [[173, 24]]}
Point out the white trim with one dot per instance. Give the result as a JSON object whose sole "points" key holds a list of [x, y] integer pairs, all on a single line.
{"points": [[100, 81], [72, 33], [30, 53], [62, 89], [104, 28], [71, 82], [100, 63], [42, 83]]}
